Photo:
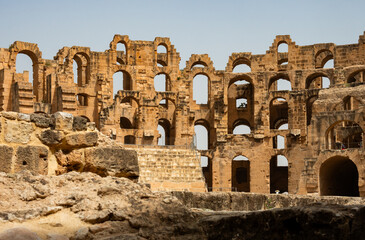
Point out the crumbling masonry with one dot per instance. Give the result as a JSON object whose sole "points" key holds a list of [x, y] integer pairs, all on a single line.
{"points": [[323, 140]]}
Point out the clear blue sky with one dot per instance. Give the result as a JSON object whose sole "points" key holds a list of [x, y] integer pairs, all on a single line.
{"points": [[217, 28]]}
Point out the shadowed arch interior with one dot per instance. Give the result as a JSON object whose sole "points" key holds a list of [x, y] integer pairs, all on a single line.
{"points": [[339, 177], [240, 174]]}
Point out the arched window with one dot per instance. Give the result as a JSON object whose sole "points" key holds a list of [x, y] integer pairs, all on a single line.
{"points": [[240, 174], [198, 65], [329, 64], [279, 142], [162, 139], [121, 53], [357, 77], [324, 59], [278, 174], [164, 128], [125, 123], [338, 176], [161, 82], [161, 49], [343, 135], [75, 68], [24, 64], [241, 129], [200, 89], [283, 85], [278, 112], [241, 68], [202, 138], [283, 47], [317, 81], [121, 81]]}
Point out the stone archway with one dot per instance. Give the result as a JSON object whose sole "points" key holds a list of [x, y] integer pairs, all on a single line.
{"points": [[339, 177]]}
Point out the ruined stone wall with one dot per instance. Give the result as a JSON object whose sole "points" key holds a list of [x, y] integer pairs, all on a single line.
{"points": [[166, 169], [319, 119], [59, 143]]}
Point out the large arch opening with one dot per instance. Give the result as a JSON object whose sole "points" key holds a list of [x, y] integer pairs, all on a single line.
{"points": [[241, 126], [121, 81], [240, 174], [283, 47], [343, 135], [200, 89], [121, 53], [280, 83], [324, 59], [357, 77], [240, 102], [278, 112], [26, 64], [161, 82], [317, 81], [338, 176], [81, 69], [278, 174], [201, 130], [125, 123], [164, 128]]}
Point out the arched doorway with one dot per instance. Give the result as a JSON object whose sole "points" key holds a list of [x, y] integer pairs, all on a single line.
{"points": [[278, 174], [240, 174], [338, 176]]}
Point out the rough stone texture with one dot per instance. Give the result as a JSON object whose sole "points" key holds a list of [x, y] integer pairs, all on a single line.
{"points": [[63, 121], [17, 132], [79, 123], [32, 158], [41, 120], [220, 201], [19, 234], [113, 161], [85, 139], [87, 206], [51, 137], [6, 157], [168, 169]]}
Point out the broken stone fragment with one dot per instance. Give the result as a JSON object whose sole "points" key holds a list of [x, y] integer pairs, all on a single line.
{"points": [[41, 120], [51, 137], [117, 161], [10, 115], [63, 121], [83, 139], [79, 123], [17, 132]]}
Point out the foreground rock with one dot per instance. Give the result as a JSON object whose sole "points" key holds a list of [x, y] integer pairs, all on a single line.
{"points": [[87, 206]]}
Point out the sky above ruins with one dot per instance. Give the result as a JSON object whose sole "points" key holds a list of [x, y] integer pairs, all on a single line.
{"points": [[217, 28]]}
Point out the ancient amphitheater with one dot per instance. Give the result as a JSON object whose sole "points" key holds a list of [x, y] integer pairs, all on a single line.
{"points": [[288, 124]]}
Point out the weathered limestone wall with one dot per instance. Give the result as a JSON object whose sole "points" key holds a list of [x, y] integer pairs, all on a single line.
{"points": [[170, 169], [59, 143]]}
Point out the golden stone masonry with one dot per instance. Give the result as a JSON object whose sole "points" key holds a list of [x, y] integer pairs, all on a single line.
{"points": [[304, 122]]}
